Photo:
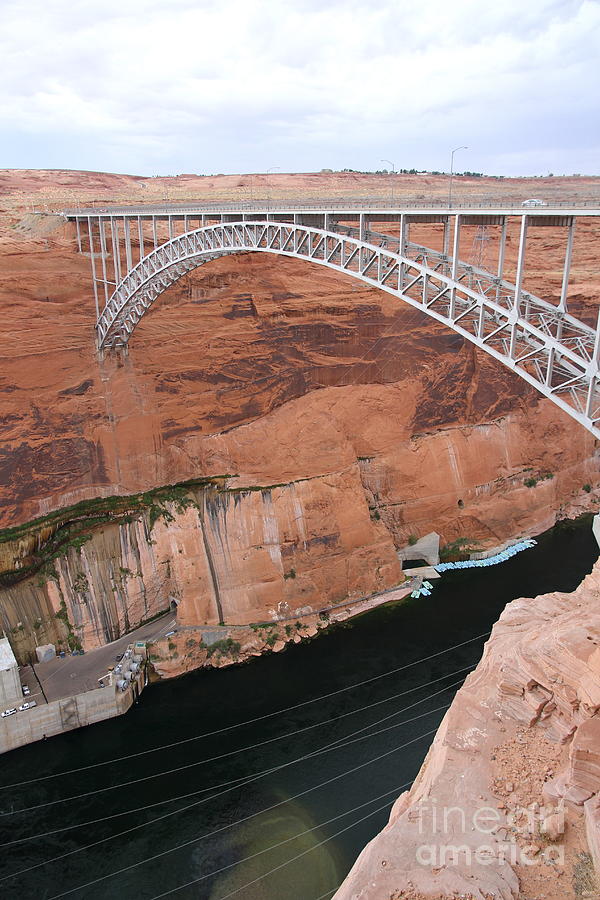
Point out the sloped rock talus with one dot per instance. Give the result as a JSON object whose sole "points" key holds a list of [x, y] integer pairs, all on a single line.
{"points": [[531, 708]]}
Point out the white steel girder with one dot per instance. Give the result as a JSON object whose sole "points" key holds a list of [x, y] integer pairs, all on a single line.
{"points": [[542, 343]]}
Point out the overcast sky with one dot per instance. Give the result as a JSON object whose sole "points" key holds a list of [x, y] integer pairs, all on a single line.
{"points": [[171, 86]]}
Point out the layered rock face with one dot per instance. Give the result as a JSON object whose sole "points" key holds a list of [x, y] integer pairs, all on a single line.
{"points": [[220, 555], [361, 412], [516, 757]]}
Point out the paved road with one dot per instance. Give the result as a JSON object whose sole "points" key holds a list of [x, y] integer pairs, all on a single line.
{"points": [[76, 674]]}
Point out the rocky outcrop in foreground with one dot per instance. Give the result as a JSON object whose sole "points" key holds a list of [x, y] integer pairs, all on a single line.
{"points": [[507, 802]]}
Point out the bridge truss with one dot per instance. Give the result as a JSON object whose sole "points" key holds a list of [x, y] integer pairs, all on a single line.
{"points": [[551, 349]]}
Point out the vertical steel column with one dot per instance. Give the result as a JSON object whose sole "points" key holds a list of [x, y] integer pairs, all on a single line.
{"points": [[567, 267], [402, 250], [89, 220], [520, 265], [170, 228], [589, 406], [455, 251], [141, 237], [550, 367], [362, 236], [502, 247], [501, 252], [115, 250], [185, 224], [127, 232], [79, 233], [446, 246], [154, 235], [101, 224]]}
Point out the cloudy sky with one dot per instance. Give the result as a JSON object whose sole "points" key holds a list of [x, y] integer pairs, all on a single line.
{"points": [[170, 86]]}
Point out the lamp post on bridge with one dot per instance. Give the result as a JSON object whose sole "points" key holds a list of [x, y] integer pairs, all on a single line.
{"points": [[393, 173], [272, 169], [456, 149]]}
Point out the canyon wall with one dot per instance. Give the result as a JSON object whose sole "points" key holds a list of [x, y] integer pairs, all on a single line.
{"points": [[515, 764], [370, 423], [218, 555]]}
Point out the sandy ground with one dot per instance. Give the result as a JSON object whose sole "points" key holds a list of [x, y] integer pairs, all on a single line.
{"points": [[23, 190], [520, 766]]}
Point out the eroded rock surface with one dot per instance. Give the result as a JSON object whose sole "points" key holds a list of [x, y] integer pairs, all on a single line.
{"points": [[511, 767], [371, 423]]}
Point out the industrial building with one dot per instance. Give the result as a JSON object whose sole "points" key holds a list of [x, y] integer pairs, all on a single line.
{"points": [[10, 682]]}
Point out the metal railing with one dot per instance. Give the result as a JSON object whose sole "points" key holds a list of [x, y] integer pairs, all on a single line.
{"points": [[328, 204]]}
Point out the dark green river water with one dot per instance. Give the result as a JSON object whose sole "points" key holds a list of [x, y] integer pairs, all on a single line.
{"points": [[229, 823]]}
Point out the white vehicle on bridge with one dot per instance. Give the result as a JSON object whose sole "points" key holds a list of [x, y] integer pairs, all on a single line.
{"points": [[537, 338]]}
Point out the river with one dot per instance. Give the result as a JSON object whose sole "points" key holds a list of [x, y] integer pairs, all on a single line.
{"points": [[396, 657]]}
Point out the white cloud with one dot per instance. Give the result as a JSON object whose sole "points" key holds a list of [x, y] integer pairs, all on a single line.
{"points": [[236, 85]]}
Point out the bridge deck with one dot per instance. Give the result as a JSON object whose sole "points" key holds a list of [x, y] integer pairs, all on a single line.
{"points": [[584, 208]]}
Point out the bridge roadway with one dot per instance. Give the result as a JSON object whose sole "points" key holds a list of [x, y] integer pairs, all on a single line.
{"points": [[540, 340]]}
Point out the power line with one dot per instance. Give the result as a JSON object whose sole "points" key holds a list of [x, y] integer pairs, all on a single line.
{"points": [[233, 752], [245, 722], [333, 746], [240, 862], [299, 855], [242, 820], [244, 779]]}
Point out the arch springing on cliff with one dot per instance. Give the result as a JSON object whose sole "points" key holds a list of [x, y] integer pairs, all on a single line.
{"points": [[546, 346]]}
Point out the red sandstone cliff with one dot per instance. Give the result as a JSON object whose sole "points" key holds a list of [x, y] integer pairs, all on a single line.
{"points": [[521, 736], [365, 414]]}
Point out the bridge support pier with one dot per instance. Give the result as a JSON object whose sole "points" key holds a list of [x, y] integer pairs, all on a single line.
{"points": [[567, 267], [537, 338], [455, 252], [520, 265], [92, 257]]}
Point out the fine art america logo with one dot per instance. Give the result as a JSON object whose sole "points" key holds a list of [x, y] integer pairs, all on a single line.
{"points": [[524, 835]]}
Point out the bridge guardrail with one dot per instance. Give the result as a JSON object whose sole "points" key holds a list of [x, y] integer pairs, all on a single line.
{"points": [[319, 205]]}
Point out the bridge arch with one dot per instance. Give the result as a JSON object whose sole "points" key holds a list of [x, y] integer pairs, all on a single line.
{"points": [[548, 348]]}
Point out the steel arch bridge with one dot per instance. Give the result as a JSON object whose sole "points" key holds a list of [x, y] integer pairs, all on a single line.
{"points": [[549, 348]]}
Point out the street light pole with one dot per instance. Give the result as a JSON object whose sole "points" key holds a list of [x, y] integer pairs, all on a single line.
{"points": [[456, 149], [272, 169], [393, 173]]}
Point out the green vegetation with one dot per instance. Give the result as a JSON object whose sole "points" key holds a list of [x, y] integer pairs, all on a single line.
{"points": [[587, 488], [324, 615], [531, 481], [459, 549], [271, 639], [290, 574], [225, 647], [412, 540], [288, 630], [73, 641], [52, 536]]}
